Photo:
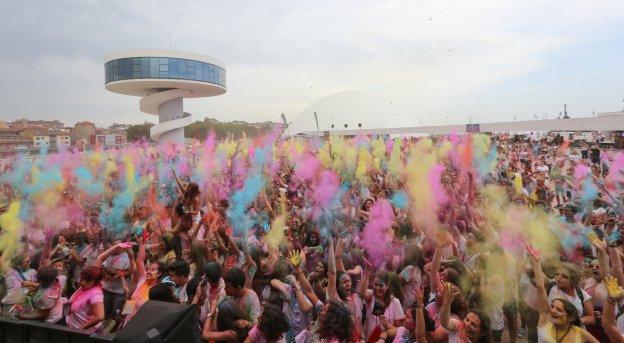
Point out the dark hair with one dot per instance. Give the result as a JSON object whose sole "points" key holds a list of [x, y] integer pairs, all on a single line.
{"points": [[199, 252], [575, 275], [486, 331], [212, 270], [162, 292], [310, 233], [173, 242], [180, 268], [161, 269], [235, 277], [192, 190], [191, 288], [570, 310], [338, 288], [336, 323], [273, 322], [429, 322], [227, 316], [385, 278], [92, 274], [81, 238], [394, 285], [46, 276]]}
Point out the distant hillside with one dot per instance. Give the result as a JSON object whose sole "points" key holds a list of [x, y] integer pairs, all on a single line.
{"points": [[201, 129]]}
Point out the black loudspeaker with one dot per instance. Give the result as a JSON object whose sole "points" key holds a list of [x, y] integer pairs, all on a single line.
{"points": [[159, 321]]}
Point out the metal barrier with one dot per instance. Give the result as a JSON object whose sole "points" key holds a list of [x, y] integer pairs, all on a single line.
{"points": [[14, 330]]}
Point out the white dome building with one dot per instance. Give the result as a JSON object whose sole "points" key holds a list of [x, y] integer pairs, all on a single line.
{"points": [[350, 111]]}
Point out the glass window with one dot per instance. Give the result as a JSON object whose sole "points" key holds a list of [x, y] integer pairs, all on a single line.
{"points": [[154, 72], [161, 67], [173, 68], [145, 67], [205, 72], [182, 67], [198, 71]]}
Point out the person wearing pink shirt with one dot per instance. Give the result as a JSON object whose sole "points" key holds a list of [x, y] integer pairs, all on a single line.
{"points": [[87, 303]]}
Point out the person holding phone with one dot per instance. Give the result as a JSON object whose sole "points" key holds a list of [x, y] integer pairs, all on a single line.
{"points": [[383, 310]]}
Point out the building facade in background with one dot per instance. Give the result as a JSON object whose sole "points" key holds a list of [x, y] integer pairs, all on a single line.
{"points": [[83, 130]]}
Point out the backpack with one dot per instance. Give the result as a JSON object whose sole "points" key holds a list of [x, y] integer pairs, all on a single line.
{"points": [[579, 291]]}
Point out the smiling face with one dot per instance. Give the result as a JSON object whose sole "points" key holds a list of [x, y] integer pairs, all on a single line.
{"points": [[558, 315], [152, 272], [379, 288]]}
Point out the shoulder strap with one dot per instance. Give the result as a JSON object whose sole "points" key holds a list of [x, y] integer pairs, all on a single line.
{"points": [[620, 312], [579, 291], [550, 286]]}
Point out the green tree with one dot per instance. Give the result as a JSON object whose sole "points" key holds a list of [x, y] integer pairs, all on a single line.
{"points": [[138, 132]]}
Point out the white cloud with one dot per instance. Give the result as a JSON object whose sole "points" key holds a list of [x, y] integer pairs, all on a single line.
{"points": [[433, 58]]}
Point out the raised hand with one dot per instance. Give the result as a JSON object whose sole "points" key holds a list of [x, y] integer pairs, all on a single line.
{"points": [[613, 238], [450, 292], [294, 257], [48, 233], [614, 291], [533, 252], [443, 239], [418, 296], [597, 242]]}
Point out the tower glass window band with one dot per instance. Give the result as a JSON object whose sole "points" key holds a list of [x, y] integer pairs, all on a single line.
{"points": [[163, 68]]}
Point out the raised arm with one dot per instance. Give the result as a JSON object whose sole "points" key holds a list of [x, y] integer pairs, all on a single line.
{"points": [[295, 259], [614, 293], [364, 284], [601, 248], [331, 271], [47, 248], [419, 308], [139, 269], [338, 256], [446, 321], [536, 266], [181, 188], [103, 256], [436, 262], [616, 264]]}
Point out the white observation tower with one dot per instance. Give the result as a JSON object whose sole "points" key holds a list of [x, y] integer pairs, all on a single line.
{"points": [[163, 78]]}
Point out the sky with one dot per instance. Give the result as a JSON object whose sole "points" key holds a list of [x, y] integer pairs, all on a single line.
{"points": [[441, 62]]}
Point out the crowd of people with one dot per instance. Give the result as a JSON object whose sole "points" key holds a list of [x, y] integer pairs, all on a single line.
{"points": [[455, 238]]}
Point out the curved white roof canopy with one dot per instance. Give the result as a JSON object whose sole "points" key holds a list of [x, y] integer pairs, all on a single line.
{"points": [[355, 110]]}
